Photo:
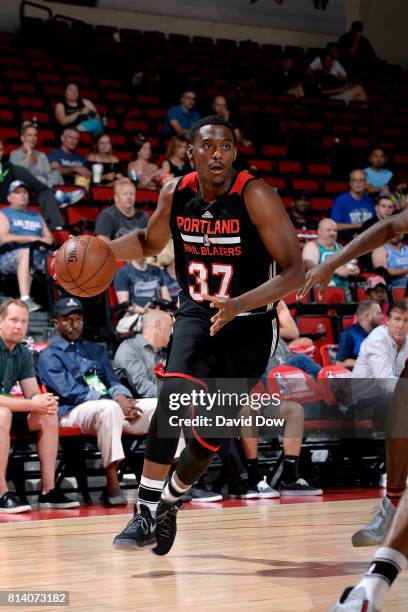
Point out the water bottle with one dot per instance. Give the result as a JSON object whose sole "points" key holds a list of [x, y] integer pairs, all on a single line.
{"points": [[133, 175], [105, 120]]}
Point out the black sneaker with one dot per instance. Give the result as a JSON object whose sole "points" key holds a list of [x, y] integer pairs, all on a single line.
{"points": [[166, 526], [238, 489], [55, 499], [139, 531], [10, 504]]}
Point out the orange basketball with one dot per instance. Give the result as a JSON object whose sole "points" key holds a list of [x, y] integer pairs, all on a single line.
{"points": [[84, 266]]}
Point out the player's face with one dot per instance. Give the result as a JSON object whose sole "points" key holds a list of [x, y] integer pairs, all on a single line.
{"points": [[13, 326], [385, 208], [397, 324], [19, 198], [70, 326], [213, 153]]}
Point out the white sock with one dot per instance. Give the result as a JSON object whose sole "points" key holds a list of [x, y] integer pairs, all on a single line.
{"points": [[149, 493], [172, 491], [386, 566], [24, 298]]}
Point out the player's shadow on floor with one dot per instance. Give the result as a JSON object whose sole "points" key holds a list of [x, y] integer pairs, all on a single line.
{"points": [[278, 568]]}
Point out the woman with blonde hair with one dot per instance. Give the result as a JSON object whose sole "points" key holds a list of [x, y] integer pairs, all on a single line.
{"points": [[165, 260]]}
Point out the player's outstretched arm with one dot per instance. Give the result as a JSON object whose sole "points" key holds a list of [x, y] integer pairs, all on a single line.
{"points": [[152, 240], [277, 233], [373, 237]]}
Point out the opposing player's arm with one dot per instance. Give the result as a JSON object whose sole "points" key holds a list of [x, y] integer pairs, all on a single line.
{"points": [[268, 214], [375, 236], [153, 239]]}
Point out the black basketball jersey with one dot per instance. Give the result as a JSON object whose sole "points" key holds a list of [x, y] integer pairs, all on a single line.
{"points": [[218, 250]]}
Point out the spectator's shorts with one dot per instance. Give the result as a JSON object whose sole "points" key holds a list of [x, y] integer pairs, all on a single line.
{"points": [[9, 261]]}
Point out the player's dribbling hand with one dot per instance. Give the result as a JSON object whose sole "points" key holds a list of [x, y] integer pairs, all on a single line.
{"points": [[319, 275], [227, 311]]}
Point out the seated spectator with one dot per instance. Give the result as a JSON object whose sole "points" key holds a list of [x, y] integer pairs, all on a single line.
{"points": [[166, 261], [141, 169], [336, 69], [137, 357], [381, 360], [18, 228], [139, 282], [317, 251], [351, 209], [378, 177], [287, 79], [334, 87], [79, 113], [220, 108], [46, 198], [180, 119], [123, 217], [384, 208], [393, 256], [300, 212], [176, 162], [102, 154], [67, 161], [355, 50], [369, 316], [376, 290], [35, 412], [34, 161], [91, 396]]}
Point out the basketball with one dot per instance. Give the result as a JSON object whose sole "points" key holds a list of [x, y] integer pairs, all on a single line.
{"points": [[84, 266]]}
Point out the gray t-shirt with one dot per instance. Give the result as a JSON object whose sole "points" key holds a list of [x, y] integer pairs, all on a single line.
{"points": [[114, 224]]}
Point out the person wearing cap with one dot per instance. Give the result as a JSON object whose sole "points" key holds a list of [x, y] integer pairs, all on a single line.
{"points": [[18, 228], [32, 411], [46, 198], [369, 316], [299, 214], [91, 396]]}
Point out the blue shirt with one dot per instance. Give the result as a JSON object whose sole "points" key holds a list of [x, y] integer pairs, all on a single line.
{"points": [[67, 160], [23, 223], [142, 285], [378, 178], [348, 210], [185, 118], [63, 365], [350, 341]]}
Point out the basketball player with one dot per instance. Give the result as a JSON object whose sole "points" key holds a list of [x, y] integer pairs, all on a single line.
{"points": [[236, 252], [386, 529]]}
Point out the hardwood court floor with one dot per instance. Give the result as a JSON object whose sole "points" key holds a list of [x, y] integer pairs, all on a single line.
{"points": [[270, 557]]}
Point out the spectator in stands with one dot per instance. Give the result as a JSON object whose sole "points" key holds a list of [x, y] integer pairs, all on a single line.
{"points": [[300, 212], [102, 154], [79, 113], [46, 198], [139, 282], [383, 354], [181, 118], [384, 208], [137, 357], [141, 169], [220, 108], [123, 217], [393, 256], [91, 397], [355, 50], [176, 162], [34, 161], [336, 69], [34, 412], [67, 161], [377, 176], [335, 87], [317, 251], [351, 209], [376, 290], [18, 228], [369, 316], [287, 79], [166, 261]]}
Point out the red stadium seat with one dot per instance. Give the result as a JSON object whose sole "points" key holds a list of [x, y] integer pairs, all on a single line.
{"points": [[293, 384], [275, 151], [9, 133], [305, 185], [310, 325], [277, 182], [321, 204], [136, 126], [331, 295], [398, 293], [346, 321], [328, 354], [292, 298], [102, 193], [261, 164], [336, 186], [319, 169], [146, 194], [290, 167]]}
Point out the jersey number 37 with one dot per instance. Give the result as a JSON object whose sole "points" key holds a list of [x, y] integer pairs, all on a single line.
{"points": [[202, 276]]}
